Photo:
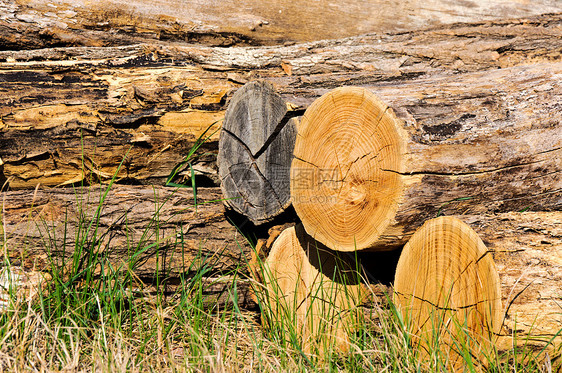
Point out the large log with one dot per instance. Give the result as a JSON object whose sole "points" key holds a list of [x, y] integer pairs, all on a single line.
{"points": [[527, 246], [363, 179], [179, 236], [34, 24], [159, 96]]}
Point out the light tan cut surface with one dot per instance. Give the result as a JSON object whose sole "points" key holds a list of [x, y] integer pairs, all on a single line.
{"points": [[312, 292], [448, 290], [345, 185]]}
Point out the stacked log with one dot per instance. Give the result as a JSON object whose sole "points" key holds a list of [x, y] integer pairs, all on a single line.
{"points": [[364, 179], [312, 293], [448, 289], [255, 152]]}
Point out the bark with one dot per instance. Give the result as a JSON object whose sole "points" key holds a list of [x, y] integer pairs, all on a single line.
{"points": [[34, 24], [159, 96], [185, 235]]}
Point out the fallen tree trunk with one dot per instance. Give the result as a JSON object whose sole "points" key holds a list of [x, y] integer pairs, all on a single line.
{"points": [[172, 234], [159, 97], [34, 24]]}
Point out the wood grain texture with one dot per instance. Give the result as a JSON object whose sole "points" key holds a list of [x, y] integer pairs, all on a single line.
{"points": [[158, 96], [448, 290], [340, 187], [311, 292], [255, 152], [180, 236]]}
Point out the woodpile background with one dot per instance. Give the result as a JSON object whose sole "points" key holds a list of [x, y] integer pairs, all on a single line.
{"points": [[83, 89]]}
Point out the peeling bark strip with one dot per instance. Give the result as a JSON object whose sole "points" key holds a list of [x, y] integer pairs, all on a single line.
{"points": [[255, 152], [159, 97], [181, 237], [63, 127]]}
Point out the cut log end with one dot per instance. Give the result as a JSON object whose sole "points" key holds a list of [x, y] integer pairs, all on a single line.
{"points": [[448, 289], [345, 177], [312, 292], [255, 152]]}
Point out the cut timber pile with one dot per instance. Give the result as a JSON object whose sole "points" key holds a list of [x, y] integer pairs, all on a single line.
{"points": [[448, 289], [100, 99], [81, 84], [353, 185]]}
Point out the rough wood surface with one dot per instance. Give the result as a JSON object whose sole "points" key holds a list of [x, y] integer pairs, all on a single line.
{"points": [[448, 290], [160, 95], [255, 152], [33, 24], [527, 247], [184, 236], [527, 250]]}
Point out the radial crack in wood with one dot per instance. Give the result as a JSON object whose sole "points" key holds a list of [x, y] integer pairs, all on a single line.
{"points": [[255, 152], [448, 291], [340, 184], [312, 293]]}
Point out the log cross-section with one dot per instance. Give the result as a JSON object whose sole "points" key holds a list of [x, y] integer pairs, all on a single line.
{"points": [[311, 292], [448, 289], [340, 184], [255, 152]]}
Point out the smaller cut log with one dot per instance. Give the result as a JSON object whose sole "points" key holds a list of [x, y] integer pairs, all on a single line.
{"points": [[312, 293], [448, 290], [255, 152]]}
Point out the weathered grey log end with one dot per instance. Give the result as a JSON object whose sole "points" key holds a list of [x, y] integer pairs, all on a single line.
{"points": [[255, 152]]}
